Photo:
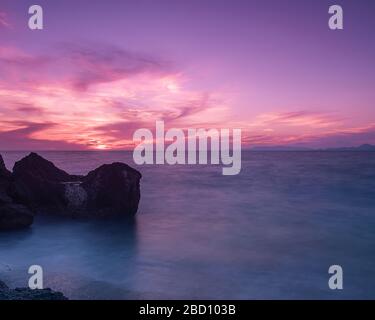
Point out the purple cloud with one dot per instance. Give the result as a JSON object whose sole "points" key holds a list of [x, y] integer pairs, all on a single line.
{"points": [[102, 63]]}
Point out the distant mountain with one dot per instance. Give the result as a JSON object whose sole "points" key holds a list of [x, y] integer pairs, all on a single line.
{"points": [[363, 147], [280, 148]]}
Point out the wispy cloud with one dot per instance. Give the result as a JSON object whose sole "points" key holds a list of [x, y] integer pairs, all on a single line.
{"points": [[22, 138], [297, 118], [4, 22], [103, 64], [338, 137]]}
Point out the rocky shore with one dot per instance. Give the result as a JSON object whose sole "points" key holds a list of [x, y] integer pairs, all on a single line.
{"points": [[27, 294], [37, 186]]}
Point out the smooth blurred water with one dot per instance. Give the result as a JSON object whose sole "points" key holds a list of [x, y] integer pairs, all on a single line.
{"points": [[270, 232]]}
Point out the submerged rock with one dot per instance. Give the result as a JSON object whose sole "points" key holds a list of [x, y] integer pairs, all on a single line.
{"points": [[28, 294]]}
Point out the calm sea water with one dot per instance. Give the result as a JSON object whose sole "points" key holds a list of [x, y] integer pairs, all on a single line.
{"points": [[270, 232]]}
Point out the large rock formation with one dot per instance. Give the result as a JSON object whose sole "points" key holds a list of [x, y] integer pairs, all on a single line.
{"points": [[28, 294], [36, 183], [112, 189]]}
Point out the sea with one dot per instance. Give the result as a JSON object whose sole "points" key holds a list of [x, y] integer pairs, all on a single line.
{"points": [[270, 232]]}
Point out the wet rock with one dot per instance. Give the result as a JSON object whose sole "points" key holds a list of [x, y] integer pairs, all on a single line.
{"points": [[76, 196], [27, 294]]}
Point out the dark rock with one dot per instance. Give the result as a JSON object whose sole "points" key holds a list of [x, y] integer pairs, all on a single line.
{"points": [[28, 294], [112, 189], [5, 177], [14, 216], [4, 172], [38, 184], [40, 168]]}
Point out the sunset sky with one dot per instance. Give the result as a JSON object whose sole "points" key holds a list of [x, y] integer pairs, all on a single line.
{"points": [[102, 69]]}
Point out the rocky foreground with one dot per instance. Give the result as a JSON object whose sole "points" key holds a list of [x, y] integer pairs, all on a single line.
{"points": [[28, 294], [37, 186]]}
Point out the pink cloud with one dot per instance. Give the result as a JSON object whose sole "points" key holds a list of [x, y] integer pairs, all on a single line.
{"points": [[95, 97], [21, 138]]}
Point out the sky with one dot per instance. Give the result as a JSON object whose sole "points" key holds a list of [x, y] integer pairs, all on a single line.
{"points": [[99, 70]]}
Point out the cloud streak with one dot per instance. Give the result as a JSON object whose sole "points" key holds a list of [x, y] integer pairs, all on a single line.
{"points": [[102, 64], [4, 23], [22, 138]]}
